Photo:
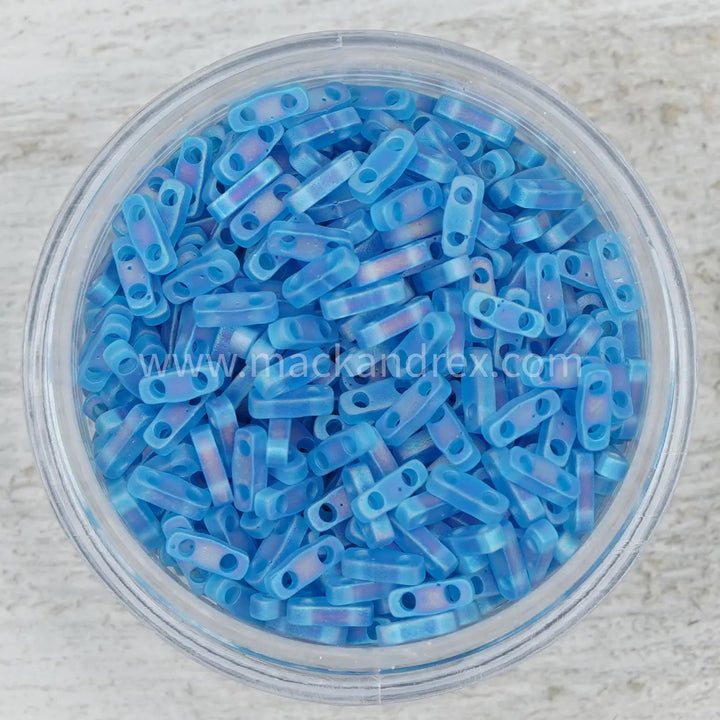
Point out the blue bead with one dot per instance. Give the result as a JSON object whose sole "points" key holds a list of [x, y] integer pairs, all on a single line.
{"points": [[546, 194], [318, 611], [322, 99], [282, 500], [508, 567], [344, 591], [433, 164], [249, 468], [306, 160], [569, 225], [582, 512], [264, 608], [613, 274], [557, 437], [212, 464], [405, 205], [222, 419], [368, 403], [393, 323], [126, 444], [223, 522], [542, 277], [137, 515], [268, 107], [461, 218], [519, 416], [529, 225], [302, 402], [566, 547], [524, 154], [424, 227], [278, 442], [342, 448], [201, 275], [148, 235], [302, 332], [292, 471], [292, 372], [181, 385], [398, 102], [324, 130], [468, 494], [247, 151], [422, 509], [208, 553], [324, 634], [173, 206], [431, 598], [490, 127], [237, 309], [538, 547], [475, 539], [504, 314], [415, 629], [499, 192], [421, 348], [356, 480], [304, 241], [452, 439], [440, 562], [401, 261], [388, 492], [593, 409], [580, 337], [495, 165], [332, 509], [357, 224], [540, 476], [385, 566], [611, 465], [433, 134], [196, 577]]}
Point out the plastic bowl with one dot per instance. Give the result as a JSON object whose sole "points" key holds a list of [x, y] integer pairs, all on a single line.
{"points": [[60, 433]]}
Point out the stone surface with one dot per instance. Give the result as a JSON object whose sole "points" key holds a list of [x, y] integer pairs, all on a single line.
{"points": [[645, 71]]}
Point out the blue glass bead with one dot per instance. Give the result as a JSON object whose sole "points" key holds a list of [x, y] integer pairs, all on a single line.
{"points": [[249, 468], [324, 130], [493, 229], [353, 301], [431, 598], [356, 480], [135, 280], [231, 595], [280, 500], [538, 547], [302, 332], [181, 385], [553, 371], [222, 419], [169, 492], [504, 314], [611, 351], [557, 437], [292, 372], [224, 523], [422, 509], [424, 227], [247, 151], [569, 225], [387, 493], [103, 287], [494, 165], [137, 515], [540, 476], [398, 102], [122, 358], [462, 215], [401, 261], [611, 465], [268, 107], [393, 323], [529, 225], [329, 511], [582, 511], [383, 166], [576, 269], [306, 161], [327, 425], [379, 123], [413, 409], [519, 416], [580, 337], [433, 134], [292, 471], [207, 553], [524, 154], [451, 359], [422, 346], [489, 127], [126, 444], [323, 634], [499, 192], [264, 608], [196, 577], [236, 309], [508, 567], [342, 448], [182, 461], [613, 274], [478, 389], [558, 516], [382, 565], [303, 566], [368, 403], [278, 441], [173, 206], [318, 611], [483, 583], [336, 205], [322, 99], [304, 241], [344, 591], [357, 224], [442, 274], [475, 539], [247, 226], [452, 439], [212, 464], [255, 526], [320, 276], [405, 205], [200, 275], [542, 277], [546, 194], [242, 191], [433, 164], [593, 409], [321, 183], [567, 546], [468, 494], [440, 562], [637, 371], [417, 628], [148, 235]]}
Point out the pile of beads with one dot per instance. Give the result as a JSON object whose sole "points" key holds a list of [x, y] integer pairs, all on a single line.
{"points": [[362, 365]]}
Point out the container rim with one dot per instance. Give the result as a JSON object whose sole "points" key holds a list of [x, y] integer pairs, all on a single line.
{"points": [[311, 683]]}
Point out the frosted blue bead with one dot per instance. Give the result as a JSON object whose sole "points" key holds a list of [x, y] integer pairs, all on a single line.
{"points": [[422, 509], [593, 409], [336, 205], [499, 192], [330, 510], [135, 280], [451, 359], [538, 547], [393, 323], [580, 337], [249, 468], [126, 444], [483, 583], [223, 522], [292, 372], [542, 278], [169, 492], [569, 225], [137, 515], [508, 567], [292, 471], [318, 611], [557, 437], [327, 425], [422, 346], [196, 577], [433, 134], [539, 475], [303, 402], [182, 461], [236, 309], [553, 371], [242, 191], [357, 224], [413, 409], [440, 562], [611, 351], [378, 123], [468, 494], [248, 225], [320, 276], [519, 416], [478, 389], [304, 241], [353, 301], [344, 591], [278, 443], [212, 464], [405, 205], [431, 598], [222, 419], [323, 634], [415, 629], [265, 108], [200, 275], [342, 448], [322, 99], [452, 439], [462, 215], [173, 206], [324, 130], [356, 480], [637, 370], [368, 403], [306, 160], [494, 165], [302, 332], [433, 164], [231, 595], [546, 194], [388, 492], [321, 183], [181, 385], [492, 128], [576, 269], [504, 314], [398, 102], [281, 500], [424, 227], [264, 608], [383, 166], [442, 274], [567, 546], [122, 358], [401, 261], [582, 511], [475, 539], [613, 274], [103, 287], [611, 465], [380, 459], [148, 235], [300, 568], [529, 225], [246, 152], [208, 553], [525, 154], [386, 566]]}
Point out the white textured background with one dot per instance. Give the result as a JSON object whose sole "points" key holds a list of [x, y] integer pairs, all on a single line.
{"points": [[646, 72]]}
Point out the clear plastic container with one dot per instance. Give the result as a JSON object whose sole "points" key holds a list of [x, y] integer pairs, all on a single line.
{"points": [[60, 433]]}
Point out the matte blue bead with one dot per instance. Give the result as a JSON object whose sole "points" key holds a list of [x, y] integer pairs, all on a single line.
{"points": [[278, 443], [378, 123], [405, 205], [169, 492], [330, 510], [322, 99], [569, 225], [303, 566], [148, 235], [357, 224], [335, 205], [494, 165], [356, 480], [385, 566], [393, 323], [327, 425], [281, 500], [421, 348], [540, 476], [442, 274], [388, 492], [246, 152], [208, 553], [582, 511], [462, 215], [582, 334], [242, 191], [538, 547], [499, 192], [344, 591], [452, 439], [306, 160], [404, 260], [304, 241], [508, 567], [492, 128], [413, 409], [557, 437], [264, 608], [324, 130], [353, 301], [542, 278], [368, 403], [122, 358], [431, 598], [134, 278], [519, 416], [302, 402], [182, 461], [292, 471], [593, 409], [424, 227], [137, 515], [440, 562], [292, 372], [249, 468], [504, 314], [237, 309], [302, 332], [566, 547], [433, 164], [468, 494], [212, 464], [265, 108], [433, 134], [475, 539], [525, 154], [383, 166], [342, 448], [181, 385], [318, 611], [323, 634], [478, 389], [173, 206], [223, 420], [196, 577], [200, 275], [415, 629], [422, 509], [611, 465], [231, 595], [546, 194], [613, 274], [126, 444], [223, 522], [529, 225], [398, 102]]}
